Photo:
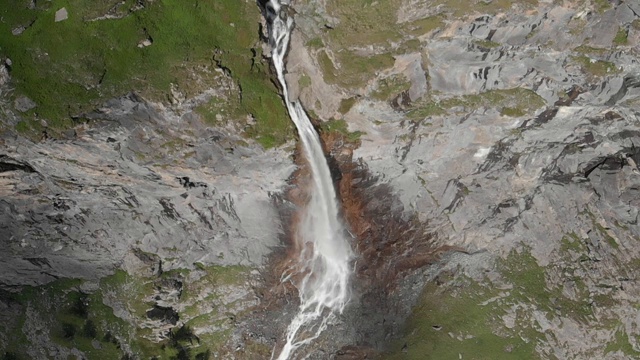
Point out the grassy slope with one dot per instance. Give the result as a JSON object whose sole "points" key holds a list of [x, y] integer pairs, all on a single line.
{"points": [[72, 66]]}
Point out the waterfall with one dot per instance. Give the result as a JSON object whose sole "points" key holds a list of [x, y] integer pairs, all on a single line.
{"points": [[325, 258]]}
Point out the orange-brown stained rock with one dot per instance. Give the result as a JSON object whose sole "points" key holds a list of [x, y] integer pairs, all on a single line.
{"points": [[387, 246]]}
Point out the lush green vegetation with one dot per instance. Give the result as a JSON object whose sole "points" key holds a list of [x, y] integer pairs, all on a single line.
{"points": [[459, 316], [461, 319], [340, 127], [72, 66], [621, 37], [76, 319]]}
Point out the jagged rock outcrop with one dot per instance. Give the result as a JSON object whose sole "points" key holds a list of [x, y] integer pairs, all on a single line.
{"points": [[141, 175]]}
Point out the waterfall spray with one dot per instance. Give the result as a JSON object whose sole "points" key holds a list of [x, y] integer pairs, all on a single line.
{"points": [[324, 261]]}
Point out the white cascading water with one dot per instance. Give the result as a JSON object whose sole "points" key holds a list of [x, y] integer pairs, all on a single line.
{"points": [[325, 258]]}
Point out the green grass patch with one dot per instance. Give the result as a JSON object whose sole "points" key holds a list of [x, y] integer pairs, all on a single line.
{"points": [[315, 43], [363, 23], [73, 66], [459, 316], [621, 343], [530, 287], [596, 68], [340, 127], [590, 50], [512, 112], [352, 70], [621, 37], [304, 81], [390, 87], [460, 8], [456, 319], [486, 44], [366, 23], [510, 102], [601, 5], [426, 109], [346, 105], [572, 243], [423, 26]]}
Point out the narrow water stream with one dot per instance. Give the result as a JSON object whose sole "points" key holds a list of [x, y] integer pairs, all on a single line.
{"points": [[325, 260]]}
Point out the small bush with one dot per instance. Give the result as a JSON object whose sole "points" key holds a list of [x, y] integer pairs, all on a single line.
{"points": [[89, 330], [80, 307], [183, 354], [12, 356], [68, 331], [204, 355]]}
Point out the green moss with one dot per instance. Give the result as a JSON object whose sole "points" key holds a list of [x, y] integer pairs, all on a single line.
{"points": [[367, 23], [621, 343], [340, 127], [353, 70], [71, 67], [346, 105], [597, 68], [363, 23], [423, 26], [460, 8], [315, 43], [487, 44], [510, 102], [512, 112], [389, 88], [602, 5], [304, 81], [573, 243], [530, 286], [425, 109], [621, 37], [326, 65], [589, 50], [409, 46], [23, 127]]}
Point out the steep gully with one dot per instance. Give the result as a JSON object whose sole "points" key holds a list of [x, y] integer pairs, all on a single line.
{"points": [[324, 261]]}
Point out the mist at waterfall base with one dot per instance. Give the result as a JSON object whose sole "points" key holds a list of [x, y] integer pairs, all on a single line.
{"points": [[324, 262]]}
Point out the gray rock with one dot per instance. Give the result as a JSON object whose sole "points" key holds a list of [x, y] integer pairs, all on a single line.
{"points": [[61, 15], [24, 104], [120, 187]]}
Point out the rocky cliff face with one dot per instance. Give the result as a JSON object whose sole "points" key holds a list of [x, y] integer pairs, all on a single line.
{"points": [[485, 155], [509, 130]]}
